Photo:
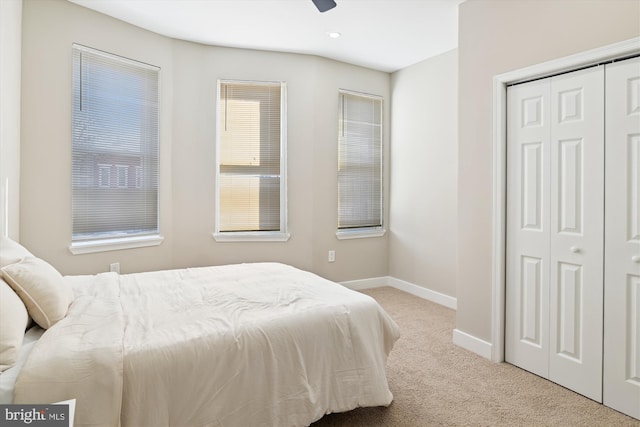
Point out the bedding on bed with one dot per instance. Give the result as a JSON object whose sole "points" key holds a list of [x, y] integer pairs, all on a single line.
{"points": [[81, 355], [241, 345], [8, 378]]}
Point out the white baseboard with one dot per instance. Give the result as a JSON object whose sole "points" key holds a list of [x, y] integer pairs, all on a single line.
{"points": [[462, 339], [358, 285], [407, 287], [471, 343], [424, 293]]}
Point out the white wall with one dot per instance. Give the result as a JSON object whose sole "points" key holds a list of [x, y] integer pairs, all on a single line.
{"points": [[312, 90], [188, 94], [497, 36], [10, 47], [48, 30], [422, 242]]}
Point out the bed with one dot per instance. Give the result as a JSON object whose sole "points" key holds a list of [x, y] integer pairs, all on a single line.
{"points": [[262, 344]]}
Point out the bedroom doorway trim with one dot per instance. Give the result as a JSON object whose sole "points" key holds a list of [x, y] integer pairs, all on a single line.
{"points": [[618, 50]]}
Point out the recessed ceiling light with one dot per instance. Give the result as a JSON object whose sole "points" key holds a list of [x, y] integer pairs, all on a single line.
{"points": [[334, 34]]}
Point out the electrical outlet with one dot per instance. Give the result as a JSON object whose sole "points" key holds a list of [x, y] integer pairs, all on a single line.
{"points": [[332, 256], [115, 267]]}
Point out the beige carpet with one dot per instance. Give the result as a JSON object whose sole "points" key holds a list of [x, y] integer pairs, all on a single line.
{"points": [[436, 383]]}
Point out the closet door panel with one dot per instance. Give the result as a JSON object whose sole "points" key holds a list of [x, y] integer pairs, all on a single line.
{"points": [[622, 239], [577, 227], [527, 293]]}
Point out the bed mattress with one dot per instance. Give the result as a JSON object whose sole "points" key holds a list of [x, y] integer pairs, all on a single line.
{"points": [[240, 345]]}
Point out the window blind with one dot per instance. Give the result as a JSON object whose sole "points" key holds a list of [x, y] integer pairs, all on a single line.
{"points": [[359, 161], [250, 174], [115, 140]]}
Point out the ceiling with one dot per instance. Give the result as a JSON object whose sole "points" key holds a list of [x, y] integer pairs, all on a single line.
{"points": [[385, 35]]}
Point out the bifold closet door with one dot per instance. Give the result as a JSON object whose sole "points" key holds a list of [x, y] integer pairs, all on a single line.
{"points": [[622, 238], [555, 220], [528, 226], [577, 228]]}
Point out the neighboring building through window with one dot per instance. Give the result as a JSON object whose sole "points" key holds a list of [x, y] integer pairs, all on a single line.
{"points": [[115, 145], [251, 163], [359, 165]]}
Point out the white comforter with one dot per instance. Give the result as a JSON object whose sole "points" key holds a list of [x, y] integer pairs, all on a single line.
{"points": [[239, 345]]}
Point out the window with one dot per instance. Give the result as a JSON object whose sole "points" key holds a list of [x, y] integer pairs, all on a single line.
{"points": [[251, 184], [115, 141], [359, 165]]}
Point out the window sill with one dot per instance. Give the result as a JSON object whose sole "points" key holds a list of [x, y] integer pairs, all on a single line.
{"points": [[255, 236], [360, 233], [116, 244]]}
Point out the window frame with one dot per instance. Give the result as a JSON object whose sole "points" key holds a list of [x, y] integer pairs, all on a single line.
{"points": [[281, 235], [117, 241], [367, 231]]}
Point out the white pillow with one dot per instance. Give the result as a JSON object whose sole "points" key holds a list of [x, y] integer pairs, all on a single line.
{"points": [[43, 290], [13, 323], [11, 251]]}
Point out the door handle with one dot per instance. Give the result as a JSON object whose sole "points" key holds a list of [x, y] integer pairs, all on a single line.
{"points": [[635, 258], [575, 249]]}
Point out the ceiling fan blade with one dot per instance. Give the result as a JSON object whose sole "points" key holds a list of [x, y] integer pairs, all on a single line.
{"points": [[324, 5]]}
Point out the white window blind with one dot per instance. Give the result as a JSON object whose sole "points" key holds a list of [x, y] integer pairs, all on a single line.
{"points": [[114, 146], [251, 184], [359, 161]]}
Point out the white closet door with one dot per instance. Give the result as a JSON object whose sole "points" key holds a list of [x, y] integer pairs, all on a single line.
{"points": [[528, 226], [577, 228], [622, 239], [555, 192]]}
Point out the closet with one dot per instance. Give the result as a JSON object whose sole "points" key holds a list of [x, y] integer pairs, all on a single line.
{"points": [[573, 231]]}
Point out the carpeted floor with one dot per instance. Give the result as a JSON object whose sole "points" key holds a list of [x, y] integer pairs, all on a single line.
{"points": [[436, 383]]}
